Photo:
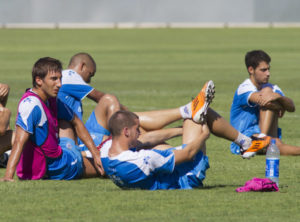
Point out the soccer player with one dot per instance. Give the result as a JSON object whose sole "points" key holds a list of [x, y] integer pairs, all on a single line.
{"points": [[182, 167], [6, 134], [257, 104], [75, 87], [37, 152]]}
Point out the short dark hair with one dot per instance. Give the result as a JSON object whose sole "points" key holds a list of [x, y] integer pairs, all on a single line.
{"points": [[253, 58], [121, 119], [43, 66], [82, 57]]}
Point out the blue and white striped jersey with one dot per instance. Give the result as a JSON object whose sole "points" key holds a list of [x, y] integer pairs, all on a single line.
{"points": [[244, 115], [73, 90]]}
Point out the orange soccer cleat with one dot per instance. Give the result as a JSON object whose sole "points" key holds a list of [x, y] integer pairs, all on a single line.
{"points": [[257, 145], [201, 103]]}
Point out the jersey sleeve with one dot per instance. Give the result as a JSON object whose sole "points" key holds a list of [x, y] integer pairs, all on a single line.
{"points": [[30, 114], [63, 111], [159, 161], [243, 94], [278, 90], [275, 88], [74, 85]]}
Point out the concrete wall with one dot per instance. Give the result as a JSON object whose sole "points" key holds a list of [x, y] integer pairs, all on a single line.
{"points": [[113, 11]]}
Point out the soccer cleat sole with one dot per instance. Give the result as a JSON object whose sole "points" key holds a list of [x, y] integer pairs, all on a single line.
{"points": [[199, 116], [248, 155]]}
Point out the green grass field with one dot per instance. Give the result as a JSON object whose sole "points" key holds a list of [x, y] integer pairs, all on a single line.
{"points": [[156, 69]]}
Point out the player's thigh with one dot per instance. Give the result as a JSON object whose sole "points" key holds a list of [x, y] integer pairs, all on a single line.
{"points": [[89, 169], [4, 119]]}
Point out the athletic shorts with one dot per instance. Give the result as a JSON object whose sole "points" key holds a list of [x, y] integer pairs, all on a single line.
{"points": [[235, 149], [96, 131], [69, 165], [92, 125], [187, 175]]}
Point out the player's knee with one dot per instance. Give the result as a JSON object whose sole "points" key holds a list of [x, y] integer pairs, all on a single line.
{"points": [[109, 99], [267, 89]]}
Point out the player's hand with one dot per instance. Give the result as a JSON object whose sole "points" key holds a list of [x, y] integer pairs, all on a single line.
{"points": [[205, 130], [264, 100], [267, 97], [98, 165], [281, 113], [4, 90], [6, 180]]}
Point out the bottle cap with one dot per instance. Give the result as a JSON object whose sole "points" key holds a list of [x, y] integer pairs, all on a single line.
{"points": [[273, 141]]}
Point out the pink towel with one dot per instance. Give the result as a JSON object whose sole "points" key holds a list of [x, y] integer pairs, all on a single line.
{"points": [[258, 184]]}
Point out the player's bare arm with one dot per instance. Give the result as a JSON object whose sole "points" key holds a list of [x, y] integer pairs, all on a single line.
{"points": [[156, 137], [287, 103], [193, 147], [95, 95], [84, 135], [277, 101], [258, 99]]}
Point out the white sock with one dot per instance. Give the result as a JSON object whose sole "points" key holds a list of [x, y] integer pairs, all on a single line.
{"points": [[185, 111], [243, 141]]}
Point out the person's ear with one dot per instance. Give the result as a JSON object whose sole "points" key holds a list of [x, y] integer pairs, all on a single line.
{"points": [[82, 66], [38, 81], [79, 67], [126, 131], [250, 70]]}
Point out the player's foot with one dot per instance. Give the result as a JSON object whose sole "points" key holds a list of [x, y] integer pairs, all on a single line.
{"points": [[201, 102], [257, 145]]}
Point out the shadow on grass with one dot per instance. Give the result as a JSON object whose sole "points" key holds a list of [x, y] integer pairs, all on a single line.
{"points": [[220, 186]]}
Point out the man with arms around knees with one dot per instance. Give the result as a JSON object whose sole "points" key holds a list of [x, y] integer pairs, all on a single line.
{"points": [[257, 104], [37, 151], [6, 134], [75, 87]]}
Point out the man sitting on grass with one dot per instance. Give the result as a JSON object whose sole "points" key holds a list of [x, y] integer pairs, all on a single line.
{"points": [[75, 87], [257, 104], [37, 152]]}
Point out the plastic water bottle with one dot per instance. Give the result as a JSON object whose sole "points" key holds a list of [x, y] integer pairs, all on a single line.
{"points": [[272, 162]]}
